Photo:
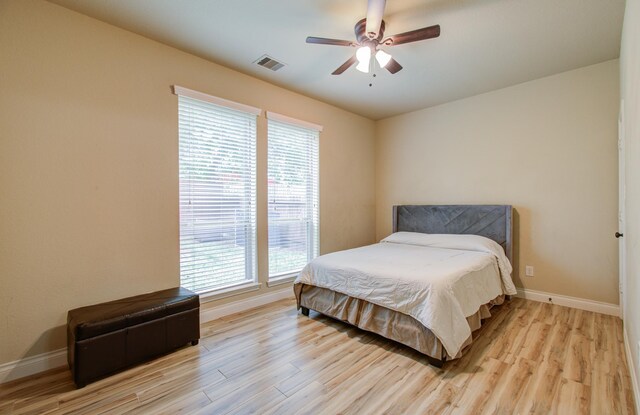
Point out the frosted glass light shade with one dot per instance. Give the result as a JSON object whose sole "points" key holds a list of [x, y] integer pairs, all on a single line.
{"points": [[363, 55], [383, 58]]}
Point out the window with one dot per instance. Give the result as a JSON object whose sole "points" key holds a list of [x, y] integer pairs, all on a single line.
{"points": [[217, 158], [292, 195]]}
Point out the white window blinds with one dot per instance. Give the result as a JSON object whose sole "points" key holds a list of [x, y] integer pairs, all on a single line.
{"points": [[292, 196], [217, 195]]}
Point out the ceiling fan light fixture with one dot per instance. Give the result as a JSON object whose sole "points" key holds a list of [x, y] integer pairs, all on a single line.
{"points": [[383, 58], [363, 55]]}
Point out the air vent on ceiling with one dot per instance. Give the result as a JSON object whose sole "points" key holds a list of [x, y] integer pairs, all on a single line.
{"points": [[268, 62]]}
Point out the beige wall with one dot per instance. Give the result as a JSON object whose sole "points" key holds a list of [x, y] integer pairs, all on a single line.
{"points": [[630, 93], [548, 147], [89, 166]]}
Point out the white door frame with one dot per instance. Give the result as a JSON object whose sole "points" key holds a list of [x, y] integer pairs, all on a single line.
{"points": [[622, 247]]}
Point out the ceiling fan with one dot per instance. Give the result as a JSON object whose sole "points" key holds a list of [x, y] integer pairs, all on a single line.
{"points": [[370, 35]]}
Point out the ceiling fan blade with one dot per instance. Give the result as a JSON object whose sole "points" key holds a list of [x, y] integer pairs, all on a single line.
{"points": [[414, 35], [345, 66], [325, 41], [375, 11], [393, 66]]}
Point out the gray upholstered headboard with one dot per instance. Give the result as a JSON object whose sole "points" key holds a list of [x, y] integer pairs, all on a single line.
{"points": [[491, 221]]}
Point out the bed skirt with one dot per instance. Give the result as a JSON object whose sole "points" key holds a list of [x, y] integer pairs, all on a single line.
{"points": [[383, 321]]}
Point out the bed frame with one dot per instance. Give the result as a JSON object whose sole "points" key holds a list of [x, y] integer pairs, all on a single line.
{"points": [[491, 221]]}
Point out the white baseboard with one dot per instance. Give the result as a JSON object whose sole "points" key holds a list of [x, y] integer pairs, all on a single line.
{"points": [[242, 305], [573, 302], [32, 365], [51, 360], [632, 372]]}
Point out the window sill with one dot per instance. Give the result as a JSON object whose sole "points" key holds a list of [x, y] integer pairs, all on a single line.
{"points": [[230, 291], [281, 280]]}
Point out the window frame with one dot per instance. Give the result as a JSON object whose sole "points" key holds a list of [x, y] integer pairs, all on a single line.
{"points": [[251, 232], [313, 230]]}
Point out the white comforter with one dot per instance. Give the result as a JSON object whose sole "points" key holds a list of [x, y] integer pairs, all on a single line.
{"points": [[437, 279]]}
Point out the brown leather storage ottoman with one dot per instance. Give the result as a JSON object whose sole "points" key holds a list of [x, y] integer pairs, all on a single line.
{"points": [[107, 337]]}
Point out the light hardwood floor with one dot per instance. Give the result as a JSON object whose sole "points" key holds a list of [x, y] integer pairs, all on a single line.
{"points": [[528, 358]]}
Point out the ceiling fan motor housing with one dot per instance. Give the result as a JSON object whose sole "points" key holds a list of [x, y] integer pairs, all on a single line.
{"points": [[362, 36]]}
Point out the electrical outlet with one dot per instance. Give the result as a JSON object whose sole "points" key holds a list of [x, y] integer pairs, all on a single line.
{"points": [[528, 271]]}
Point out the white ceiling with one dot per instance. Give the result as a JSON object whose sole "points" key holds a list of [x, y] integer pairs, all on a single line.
{"points": [[484, 44]]}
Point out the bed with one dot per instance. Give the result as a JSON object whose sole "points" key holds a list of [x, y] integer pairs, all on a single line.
{"points": [[428, 285]]}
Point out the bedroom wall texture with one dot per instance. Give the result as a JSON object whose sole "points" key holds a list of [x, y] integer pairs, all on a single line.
{"points": [[89, 166], [630, 93], [548, 147]]}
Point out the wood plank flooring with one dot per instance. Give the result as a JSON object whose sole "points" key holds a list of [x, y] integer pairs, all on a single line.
{"points": [[528, 358]]}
